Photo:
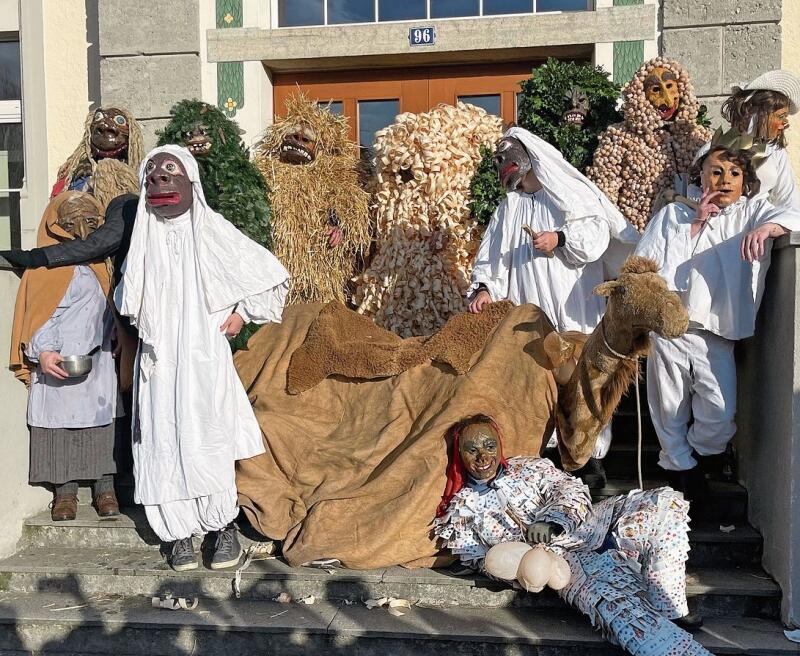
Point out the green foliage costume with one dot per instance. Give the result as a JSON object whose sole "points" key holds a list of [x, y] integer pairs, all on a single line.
{"points": [[232, 184], [568, 105]]}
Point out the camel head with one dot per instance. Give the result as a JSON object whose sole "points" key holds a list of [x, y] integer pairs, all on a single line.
{"points": [[638, 303]]}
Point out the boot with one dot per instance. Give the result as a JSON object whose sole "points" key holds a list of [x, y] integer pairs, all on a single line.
{"points": [[689, 622], [593, 474], [691, 482]]}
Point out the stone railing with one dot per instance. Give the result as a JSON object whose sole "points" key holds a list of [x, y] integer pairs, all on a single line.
{"points": [[768, 417]]}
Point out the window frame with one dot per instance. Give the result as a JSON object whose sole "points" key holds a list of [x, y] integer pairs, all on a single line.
{"points": [[11, 114], [275, 18]]}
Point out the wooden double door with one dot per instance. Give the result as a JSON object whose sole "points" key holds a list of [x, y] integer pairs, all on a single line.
{"points": [[372, 98]]}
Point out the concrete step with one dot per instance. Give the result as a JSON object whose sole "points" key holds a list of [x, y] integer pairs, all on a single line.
{"points": [[71, 624], [743, 591], [727, 502], [710, 545]]}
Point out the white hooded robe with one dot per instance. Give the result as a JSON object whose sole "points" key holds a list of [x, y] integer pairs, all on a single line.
{"points": [[183, 278]]}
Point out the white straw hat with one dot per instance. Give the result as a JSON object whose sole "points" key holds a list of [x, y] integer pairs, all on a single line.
{"points": [[784, 81]]}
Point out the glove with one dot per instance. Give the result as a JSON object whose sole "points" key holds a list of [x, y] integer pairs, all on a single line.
{"points": [[26, 259], [542, 532]]}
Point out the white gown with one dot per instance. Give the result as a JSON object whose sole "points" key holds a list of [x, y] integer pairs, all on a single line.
{"points": [[561, 286], [182, 279], [194, 418]]}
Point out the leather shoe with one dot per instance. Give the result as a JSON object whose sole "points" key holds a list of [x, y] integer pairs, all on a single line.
{"points": [[106, 504], [65, 507]]}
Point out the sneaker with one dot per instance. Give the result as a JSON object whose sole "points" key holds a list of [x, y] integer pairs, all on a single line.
{"points": [[227, 550], [182, 556]]}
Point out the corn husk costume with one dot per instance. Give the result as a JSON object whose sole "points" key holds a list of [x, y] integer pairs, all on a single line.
{"points": [[643, 156], [427, 238], [305, 197]]}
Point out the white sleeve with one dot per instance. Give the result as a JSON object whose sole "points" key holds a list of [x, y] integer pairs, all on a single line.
{"points": [[763, 211], [785, 192], [264, 307], [586, 239], [653, 243], [491, 267]]}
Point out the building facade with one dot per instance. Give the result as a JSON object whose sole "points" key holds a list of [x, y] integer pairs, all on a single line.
{"points": [[370, 59]]}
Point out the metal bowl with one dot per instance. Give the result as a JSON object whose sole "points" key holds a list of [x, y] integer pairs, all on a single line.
{"points": [[77, 365]]}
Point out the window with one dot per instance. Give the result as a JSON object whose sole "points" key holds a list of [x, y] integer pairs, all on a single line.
{"points": [[394, 10], [298, 13], [10, 71], [497, 7], [489, 102], [561, 5], [335, 107], [454, 8], [351, 11], [374, 115], [12, 160], [294, 13]]}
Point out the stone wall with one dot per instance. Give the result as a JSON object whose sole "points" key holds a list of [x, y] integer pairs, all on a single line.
{"points": [[149, 57], [722, 43]]}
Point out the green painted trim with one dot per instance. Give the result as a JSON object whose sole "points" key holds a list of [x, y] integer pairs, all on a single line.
{"points": [[229, 13], [628, 57], [230, 75]]}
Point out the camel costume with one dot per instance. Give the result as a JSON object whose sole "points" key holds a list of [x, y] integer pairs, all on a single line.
{"points": [[510, 268], [67, 310], [353, 416]]}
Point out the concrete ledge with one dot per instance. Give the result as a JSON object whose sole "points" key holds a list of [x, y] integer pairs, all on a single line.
{"points": [[691, 13], [338, 46]]}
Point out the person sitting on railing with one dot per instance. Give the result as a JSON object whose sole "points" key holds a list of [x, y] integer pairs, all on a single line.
{"points": [[715, 255]]}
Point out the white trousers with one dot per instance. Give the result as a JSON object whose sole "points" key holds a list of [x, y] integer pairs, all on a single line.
{"points": [[601, 447], [185, 518], [691, 391]]}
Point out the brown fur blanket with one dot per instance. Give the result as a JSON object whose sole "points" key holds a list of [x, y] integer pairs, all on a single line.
{"points": [[355, 468], [348, 344]]}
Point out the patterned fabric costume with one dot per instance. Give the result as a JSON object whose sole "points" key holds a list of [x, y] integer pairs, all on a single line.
{"points": [[626, 554]]}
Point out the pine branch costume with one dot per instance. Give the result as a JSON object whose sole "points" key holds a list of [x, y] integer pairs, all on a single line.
{"points": [[568, 105], [232, 184], [312, 170], [640, 157]]}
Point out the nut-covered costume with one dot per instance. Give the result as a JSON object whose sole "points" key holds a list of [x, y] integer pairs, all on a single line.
{"points": [[605, 545], [638, 159]]}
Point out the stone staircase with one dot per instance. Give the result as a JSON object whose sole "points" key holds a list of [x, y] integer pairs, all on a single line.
{"points": [[84, 587]]}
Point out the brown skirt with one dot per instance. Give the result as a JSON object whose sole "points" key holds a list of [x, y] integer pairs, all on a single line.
{"points": [[61, 455]]}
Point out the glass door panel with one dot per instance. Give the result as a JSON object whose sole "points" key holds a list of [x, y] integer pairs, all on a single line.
{"points": [[489, 102], [454, 8], [374, 115]]}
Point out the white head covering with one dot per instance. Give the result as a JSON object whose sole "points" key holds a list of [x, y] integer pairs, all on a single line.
{"points": [[783, 81], [232, 267], [571, 191]]}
